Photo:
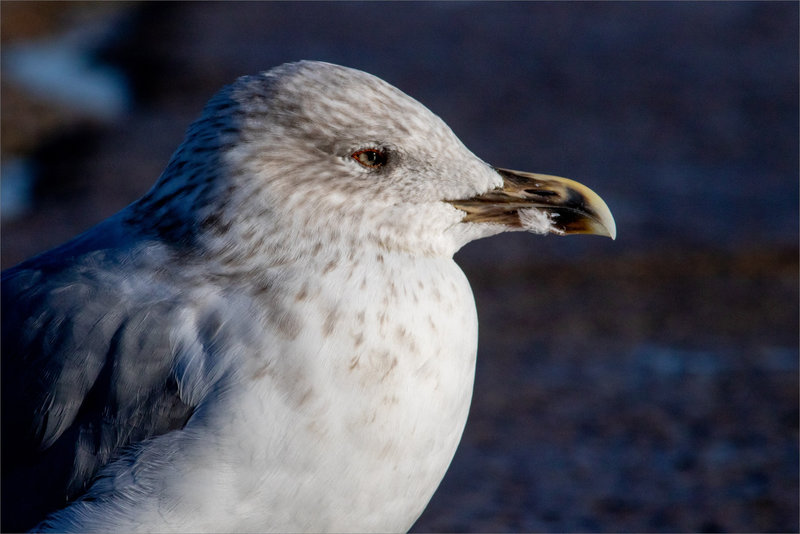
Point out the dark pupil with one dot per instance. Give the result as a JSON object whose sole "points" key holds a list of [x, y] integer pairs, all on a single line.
{"points": [[370, 158]]}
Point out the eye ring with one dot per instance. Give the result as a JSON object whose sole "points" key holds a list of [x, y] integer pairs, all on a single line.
{"points": [[370, 157]]}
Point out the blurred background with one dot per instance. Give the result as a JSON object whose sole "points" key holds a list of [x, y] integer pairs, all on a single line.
{"points": [[644, 384]]}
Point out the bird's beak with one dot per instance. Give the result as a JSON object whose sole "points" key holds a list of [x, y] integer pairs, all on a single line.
{"points": [[571, 207]]}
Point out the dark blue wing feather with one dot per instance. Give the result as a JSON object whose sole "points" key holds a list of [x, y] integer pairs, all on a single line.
{"points": [[86, 370]]}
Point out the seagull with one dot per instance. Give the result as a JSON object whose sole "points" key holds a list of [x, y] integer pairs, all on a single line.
{"points": [[275, 337]]}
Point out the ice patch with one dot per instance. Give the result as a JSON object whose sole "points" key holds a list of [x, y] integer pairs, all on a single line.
{"points": [[16, 188], [60, 69]]}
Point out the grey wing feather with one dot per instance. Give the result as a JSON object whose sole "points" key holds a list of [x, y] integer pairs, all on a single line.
{"points": [[86, 371]]}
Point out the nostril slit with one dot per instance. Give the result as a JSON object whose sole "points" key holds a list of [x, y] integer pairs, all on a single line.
{"points": [[541, 193]]}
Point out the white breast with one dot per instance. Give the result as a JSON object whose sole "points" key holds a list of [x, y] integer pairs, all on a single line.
{"points": [[360, 440]]}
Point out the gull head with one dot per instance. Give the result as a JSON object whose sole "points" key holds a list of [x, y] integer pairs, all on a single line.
{"points": [[311, 154]]}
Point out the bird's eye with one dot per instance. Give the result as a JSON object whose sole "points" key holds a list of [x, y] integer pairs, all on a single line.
{"points": [[370, 157]]}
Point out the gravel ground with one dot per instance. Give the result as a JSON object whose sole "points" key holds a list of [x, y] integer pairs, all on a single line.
{"points": [[646, 384]]}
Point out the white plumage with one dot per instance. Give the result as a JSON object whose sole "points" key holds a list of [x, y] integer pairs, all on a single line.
{"points": [[275, 337]]}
